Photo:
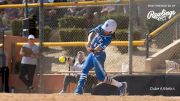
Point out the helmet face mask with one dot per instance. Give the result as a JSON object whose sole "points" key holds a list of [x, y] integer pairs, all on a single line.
{"points": [[109, 26]]}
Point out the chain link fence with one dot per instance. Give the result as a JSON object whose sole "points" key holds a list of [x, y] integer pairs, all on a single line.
{"points": [[161, 41], [72, 23]]}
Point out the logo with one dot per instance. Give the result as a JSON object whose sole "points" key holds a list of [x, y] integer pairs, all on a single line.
{"points": [[107, 25], [161, 16]]}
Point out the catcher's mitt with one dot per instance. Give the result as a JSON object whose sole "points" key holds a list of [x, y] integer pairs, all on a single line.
{"points": [[27, 51]]}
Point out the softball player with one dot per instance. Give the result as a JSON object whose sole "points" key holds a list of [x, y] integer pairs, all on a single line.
{"points": [[98, 39]]}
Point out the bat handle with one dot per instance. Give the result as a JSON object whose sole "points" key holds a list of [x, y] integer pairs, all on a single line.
{"points": [[69, 68]]}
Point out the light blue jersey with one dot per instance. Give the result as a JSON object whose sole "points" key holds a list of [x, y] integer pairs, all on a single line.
{"points": [[96, 59], [100, 39]]}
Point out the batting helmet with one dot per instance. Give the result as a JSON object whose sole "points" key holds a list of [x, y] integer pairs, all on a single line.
{"points": [[110, 26]]}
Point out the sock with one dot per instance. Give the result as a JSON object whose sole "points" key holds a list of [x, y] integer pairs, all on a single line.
{"points": [[113, 82], [82, 80], [116, 83]]}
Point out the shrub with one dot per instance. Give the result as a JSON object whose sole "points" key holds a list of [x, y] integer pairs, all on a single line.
{"points": [[47, 33], [122, 35], [72, 35], [16, 27], [70, 21], [159, 40], [122, 20], [153, 24]]}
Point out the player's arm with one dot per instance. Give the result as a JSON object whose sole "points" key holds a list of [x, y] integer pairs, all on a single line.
{"points": [[90, 38], [21, 52], [102, 45], [36, 53], [98, 48]]}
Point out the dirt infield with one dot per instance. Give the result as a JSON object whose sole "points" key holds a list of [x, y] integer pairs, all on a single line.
{"points": [[71, 97]]}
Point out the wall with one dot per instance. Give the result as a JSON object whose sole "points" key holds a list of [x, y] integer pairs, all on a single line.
{"points": [[51, 83]]}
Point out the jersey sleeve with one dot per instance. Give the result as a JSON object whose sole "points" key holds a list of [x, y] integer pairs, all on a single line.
{"points": [[96, 29]]}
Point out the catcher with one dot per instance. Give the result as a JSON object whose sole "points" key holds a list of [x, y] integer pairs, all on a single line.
{"points": [[29, 53]]}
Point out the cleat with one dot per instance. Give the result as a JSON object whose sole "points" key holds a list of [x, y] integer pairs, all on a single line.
{"points": [[77, 94], [78, 91], [123, 89], [62, 92], [30, 89]]}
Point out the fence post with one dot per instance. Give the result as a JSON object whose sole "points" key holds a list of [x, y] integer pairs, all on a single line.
{"points": [[147, 45], [130, 36], [14, 57], [26, 9], [41, 33], [177, 30]]}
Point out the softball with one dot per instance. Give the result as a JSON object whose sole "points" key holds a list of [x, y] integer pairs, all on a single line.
{"points": [[62, 59]]}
